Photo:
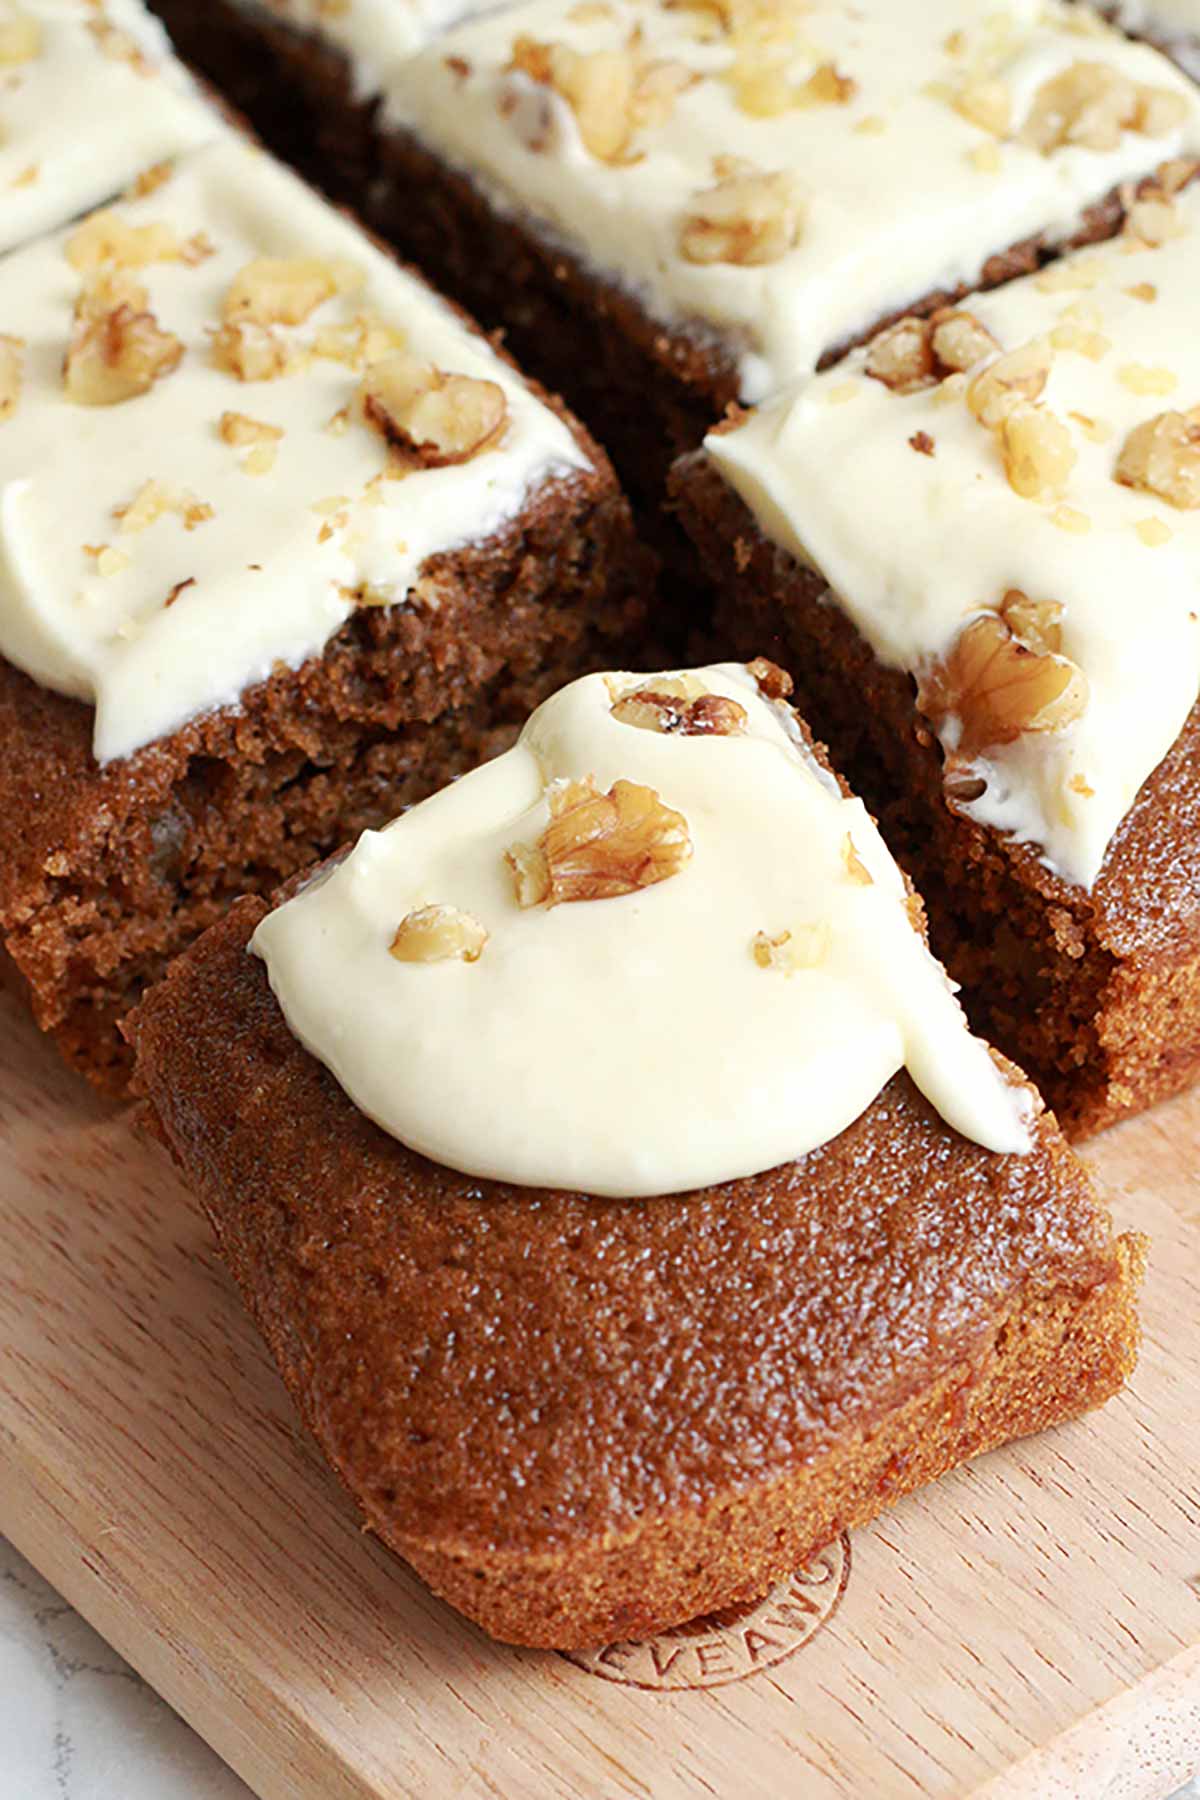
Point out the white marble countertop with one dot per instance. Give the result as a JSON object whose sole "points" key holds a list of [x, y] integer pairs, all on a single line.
{"points": [[76, 1723]]}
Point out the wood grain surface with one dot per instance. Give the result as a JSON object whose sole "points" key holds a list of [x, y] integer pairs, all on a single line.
{"points": [[1027, 1630]]}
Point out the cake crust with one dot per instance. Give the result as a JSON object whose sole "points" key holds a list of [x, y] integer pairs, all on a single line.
{"points": [[695, 1393]]}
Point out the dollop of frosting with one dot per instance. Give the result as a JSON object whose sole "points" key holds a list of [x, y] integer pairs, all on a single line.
{"points": [[781, 176], [646, 950], [264, 422], [1042, 496]]}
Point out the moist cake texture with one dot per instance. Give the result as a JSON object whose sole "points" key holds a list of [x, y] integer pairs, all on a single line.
{"points": [[91, 97], [699, 1388], [1031, 466], [274, 522]]}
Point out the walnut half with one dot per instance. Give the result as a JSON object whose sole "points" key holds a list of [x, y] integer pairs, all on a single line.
{"points": [[599, 846], [436, 418], [998, 684]]}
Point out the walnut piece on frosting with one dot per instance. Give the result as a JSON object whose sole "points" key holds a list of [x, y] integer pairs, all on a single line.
{"points": [[286, 290], [919, 353], [20, 39], [667, 705], [105, 239], [1091, 105], [10, 374], [438, 419], [804, 947], [1162, 456], [599, 846], [251, 352], [751, 216], [773, 682], [116, 355], [438, 934], [1003, 676], [612, 93]]}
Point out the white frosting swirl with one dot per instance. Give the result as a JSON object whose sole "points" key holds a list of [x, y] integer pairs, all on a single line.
{"points": [[633, 1046], [914, 544], [99, 99], [899, 193], [271, 570]]}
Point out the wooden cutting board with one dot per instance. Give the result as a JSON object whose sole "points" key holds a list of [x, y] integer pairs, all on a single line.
{"points": [[1027, 1630]]}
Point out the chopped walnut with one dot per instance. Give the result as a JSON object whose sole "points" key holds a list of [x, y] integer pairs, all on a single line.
{"points": [[251, 352], [612, 93], [20, 39], [10, 374], [804, 947], [105, 238], [259, 440], [286, 291], [368, 339], [437, 419], [438, 934], [986, 103], [120, 45], [997, 686], [1037, 451], [1017, 378], [918, 353], [598, 846], [1092, 105], [922, 443], [656, 707], [117, 355], [1037, 623], [154, 499], [827, 86], [856, 869], [773, 682], [749, 217], [1162, 456]]}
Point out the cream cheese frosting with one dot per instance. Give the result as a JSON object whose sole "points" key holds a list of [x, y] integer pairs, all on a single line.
{"points": [[737, 1012], [783, 176], [908, 504], [90, 95], [161, 554], [373, 35]]}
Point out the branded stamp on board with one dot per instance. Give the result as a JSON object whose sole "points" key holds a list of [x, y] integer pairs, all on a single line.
{"points": [[736, 1642]]}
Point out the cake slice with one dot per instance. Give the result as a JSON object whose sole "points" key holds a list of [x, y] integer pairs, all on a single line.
{"points": [[977, 544], [286, 543], [620, 1192], [671, 207], [92, 97]]}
